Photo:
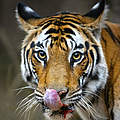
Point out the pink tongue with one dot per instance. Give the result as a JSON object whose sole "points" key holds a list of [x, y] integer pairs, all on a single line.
{"points": [[52, 99]]}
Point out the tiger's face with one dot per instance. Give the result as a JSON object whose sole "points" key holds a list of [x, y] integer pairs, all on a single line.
{"points": [[59, 61], [62, 59]]}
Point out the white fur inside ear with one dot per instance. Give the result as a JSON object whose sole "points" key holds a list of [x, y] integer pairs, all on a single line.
{"points": [[95, 6], [28, 9]]}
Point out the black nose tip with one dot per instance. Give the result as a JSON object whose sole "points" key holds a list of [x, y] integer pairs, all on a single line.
{"points": [[63, 93]]}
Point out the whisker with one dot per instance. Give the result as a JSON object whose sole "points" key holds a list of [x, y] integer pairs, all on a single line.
{"points": [[23, 108], [27, 107], [28, 115], [27, 102], [83, 111], [26, 98], [87, 107], [90, 109], [81, 103], [93, 109], [92, 93], [36, 107], [30, 105], [22, 88], [29, 87], [87, 99], [70, 97]]}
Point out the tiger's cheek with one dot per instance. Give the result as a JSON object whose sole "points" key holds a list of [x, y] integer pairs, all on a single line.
{"points": [[76, 73], [74, 79], [40, 73]]}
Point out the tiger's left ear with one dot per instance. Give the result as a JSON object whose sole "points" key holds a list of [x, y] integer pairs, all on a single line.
{"points": [[27, 17]]}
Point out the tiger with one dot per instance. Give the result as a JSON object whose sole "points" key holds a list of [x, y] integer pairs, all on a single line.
{"points": [[72, 63]]}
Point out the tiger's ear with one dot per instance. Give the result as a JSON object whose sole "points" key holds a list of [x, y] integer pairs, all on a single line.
{"points": [[97, 13], [94, 19], [27, 17], [97, 10]]}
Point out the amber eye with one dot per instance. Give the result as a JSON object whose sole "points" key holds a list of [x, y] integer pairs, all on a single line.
{"points": [[42, 55], [76, 56]]}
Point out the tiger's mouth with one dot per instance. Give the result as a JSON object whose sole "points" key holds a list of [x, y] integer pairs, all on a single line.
{"points": [[64, 110], [53, 103]]}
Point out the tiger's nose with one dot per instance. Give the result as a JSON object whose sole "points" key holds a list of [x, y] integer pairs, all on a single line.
{"points": [[52, 98]]}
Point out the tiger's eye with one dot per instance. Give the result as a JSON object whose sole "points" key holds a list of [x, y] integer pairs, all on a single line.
{"points": [[42, 55], [76, 56]]}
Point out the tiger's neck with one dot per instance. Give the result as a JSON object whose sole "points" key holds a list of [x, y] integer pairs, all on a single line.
{"points": [[110, 41]]}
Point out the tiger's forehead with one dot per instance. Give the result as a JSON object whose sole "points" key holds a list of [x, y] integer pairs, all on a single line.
{"points": [[63, 30], [63, 40]]}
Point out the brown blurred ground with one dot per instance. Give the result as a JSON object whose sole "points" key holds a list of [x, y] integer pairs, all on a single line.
{"points": [[10, 42]]}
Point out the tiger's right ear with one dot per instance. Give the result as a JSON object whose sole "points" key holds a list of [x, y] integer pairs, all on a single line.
{"points": [[27, 17]]}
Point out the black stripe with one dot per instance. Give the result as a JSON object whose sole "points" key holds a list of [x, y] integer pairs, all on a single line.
{"points": [[47, 37], [46, 22], [114, 38], [27, 54], [68, 30], [32, 44], [62, 48], [57, 22], [46, 25], [87, 45], [71, 44], [104, 40], [64, 40], [37, 58], [109, 90], [92, 55], [38, 95], [72, 25], [55, 38], [71, 20], [40, 45], [98, 54], [70, 37], [87, 35], [82, 59], [93, 60], [80, 46], [86, 64], [60, 24], [29, 78], [46, 42], [24, 55], [33, 65], [74, 16], [52, 30]]}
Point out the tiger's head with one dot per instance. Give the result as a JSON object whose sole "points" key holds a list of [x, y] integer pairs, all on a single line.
{"points": [[62, 59]]}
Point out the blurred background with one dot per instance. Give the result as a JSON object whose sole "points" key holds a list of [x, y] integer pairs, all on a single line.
{"points": [[10, 43]]}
